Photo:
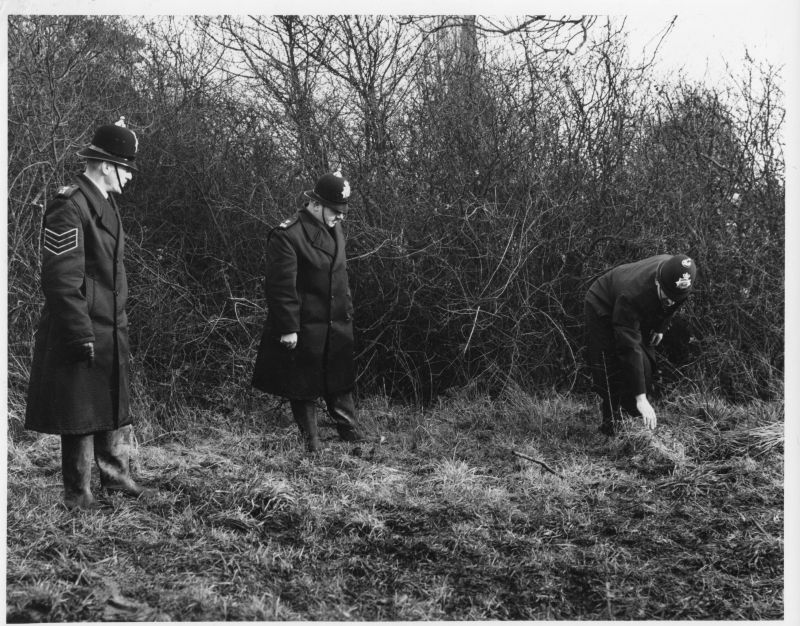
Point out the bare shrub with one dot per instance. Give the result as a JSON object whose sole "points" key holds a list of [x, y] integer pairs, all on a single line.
{"points": [[498, 166]]}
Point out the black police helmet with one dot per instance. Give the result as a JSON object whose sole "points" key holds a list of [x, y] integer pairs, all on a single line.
{"points": [[113, 143], [677, 275], [332, 191]]}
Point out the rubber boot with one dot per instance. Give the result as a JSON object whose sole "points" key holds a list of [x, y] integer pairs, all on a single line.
{"points": [[610, 411], [607, 428], [112, 452], [342, 410], [76, 469], [305, 415]]}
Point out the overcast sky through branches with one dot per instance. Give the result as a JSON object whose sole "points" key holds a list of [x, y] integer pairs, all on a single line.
{"points": [[705, 46]]}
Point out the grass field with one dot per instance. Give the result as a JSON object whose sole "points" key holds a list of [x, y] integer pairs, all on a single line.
{"points": [[441, 521]]}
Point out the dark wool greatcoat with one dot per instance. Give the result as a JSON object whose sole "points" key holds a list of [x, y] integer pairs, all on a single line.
{"points": [[85, 290], [628, 310], [308, 294]]}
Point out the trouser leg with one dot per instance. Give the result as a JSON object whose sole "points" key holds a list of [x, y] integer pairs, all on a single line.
{"points": [[304, 413], [607, 386], [76, 469], [112, 452], [605, 369], [610, 409], [342, 409]]}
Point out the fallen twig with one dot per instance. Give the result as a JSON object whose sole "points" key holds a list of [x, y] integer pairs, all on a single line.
{"points": [[542, 463]]}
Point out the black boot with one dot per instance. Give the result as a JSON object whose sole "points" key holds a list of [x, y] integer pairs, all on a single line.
{"points": [[76, 469], [305, 415], [342, 410], [112, 451], [610, 412], [607, 428]]}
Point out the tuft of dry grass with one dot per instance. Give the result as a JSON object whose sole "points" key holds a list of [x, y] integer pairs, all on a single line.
{"points": [[756, 442], [442, 521]]}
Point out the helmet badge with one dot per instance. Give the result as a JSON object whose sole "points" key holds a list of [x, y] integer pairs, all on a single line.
{"points": [[684, 282]]}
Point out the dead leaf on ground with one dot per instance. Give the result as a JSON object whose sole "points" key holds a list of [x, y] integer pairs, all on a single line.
{"points": [[121, 609]]}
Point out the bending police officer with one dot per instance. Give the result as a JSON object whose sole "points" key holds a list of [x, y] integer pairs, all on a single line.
{"points": [[627, 310]]}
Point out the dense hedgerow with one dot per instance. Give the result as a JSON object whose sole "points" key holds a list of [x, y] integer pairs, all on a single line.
{"points": [[489, 190]]}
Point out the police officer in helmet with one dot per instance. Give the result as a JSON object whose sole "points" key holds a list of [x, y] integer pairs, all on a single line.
{"points": [[79, 384], [627, 310], [306, 350]]}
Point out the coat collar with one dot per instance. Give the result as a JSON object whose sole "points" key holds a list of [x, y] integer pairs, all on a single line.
{"points": [[100, 205], [320, 236]]}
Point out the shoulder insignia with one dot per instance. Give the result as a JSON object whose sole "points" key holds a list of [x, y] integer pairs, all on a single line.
{"points": [[286, 223], [66, 191]]}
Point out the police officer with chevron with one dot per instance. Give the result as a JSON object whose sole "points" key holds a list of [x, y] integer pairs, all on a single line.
{"points": [[79, 377], [627, 310], [306, 349]]}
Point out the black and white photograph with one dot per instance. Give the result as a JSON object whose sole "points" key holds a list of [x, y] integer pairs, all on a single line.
{"points": [[399, 313]]}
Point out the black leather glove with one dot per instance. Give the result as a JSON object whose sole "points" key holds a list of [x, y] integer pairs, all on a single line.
{"points": [[84, 352]]}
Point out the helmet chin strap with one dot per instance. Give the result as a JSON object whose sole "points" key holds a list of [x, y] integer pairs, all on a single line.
{"points": [[116, 171]]}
